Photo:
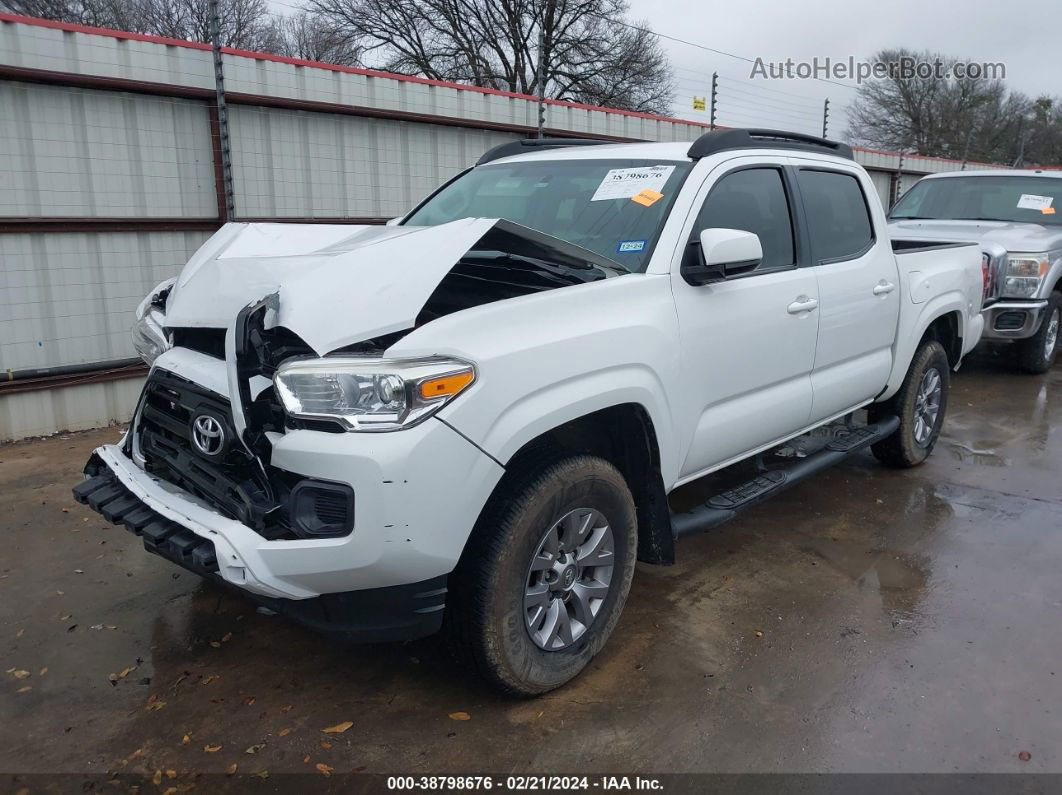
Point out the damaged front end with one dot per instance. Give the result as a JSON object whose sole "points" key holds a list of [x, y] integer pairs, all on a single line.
{"points": [[214, 437]]}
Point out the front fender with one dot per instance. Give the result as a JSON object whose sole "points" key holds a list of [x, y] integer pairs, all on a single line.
{"points": [[545, 359]]}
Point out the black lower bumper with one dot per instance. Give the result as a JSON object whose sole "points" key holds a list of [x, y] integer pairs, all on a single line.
{"points": [[400, 612]]}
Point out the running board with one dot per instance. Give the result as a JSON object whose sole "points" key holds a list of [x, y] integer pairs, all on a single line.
{"points": [[728, 504]]}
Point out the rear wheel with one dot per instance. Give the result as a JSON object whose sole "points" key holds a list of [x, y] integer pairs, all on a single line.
{"points": [[920, 405], [1037, 353], [546, 575]]}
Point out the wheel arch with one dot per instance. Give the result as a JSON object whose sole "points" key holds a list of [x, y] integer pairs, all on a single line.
{"points": [[624, 435], [943, 320]]}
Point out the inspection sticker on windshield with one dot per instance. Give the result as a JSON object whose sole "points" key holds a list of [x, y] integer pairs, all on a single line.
{"points": [[630, 245], [1030, 201], [626, 183]]}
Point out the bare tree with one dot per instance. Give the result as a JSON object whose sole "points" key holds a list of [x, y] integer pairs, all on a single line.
{"points": [[975, 119], [245, 24], [591, 53], [312, 37]]}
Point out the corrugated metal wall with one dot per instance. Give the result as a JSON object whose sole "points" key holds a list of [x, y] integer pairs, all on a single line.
{"points": [[300, 164], [109, 175]]}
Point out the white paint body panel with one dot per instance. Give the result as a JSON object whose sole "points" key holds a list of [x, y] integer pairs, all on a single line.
{"points": [[722, 370]]}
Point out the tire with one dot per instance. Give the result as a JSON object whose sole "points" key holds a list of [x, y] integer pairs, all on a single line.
{"points": [[1037, 353], [914, 439], [488, 615]]}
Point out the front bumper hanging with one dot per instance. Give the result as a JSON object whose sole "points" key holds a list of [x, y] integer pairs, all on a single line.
{"points": [[401, 612]]}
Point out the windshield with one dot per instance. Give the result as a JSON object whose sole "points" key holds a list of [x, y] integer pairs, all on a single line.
{"points": [[1031, 200], [615, 208]]}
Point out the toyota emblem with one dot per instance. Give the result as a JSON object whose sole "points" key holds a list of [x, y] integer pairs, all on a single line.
{"points": [[208, 435]]}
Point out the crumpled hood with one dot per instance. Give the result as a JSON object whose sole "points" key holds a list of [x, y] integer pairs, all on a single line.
{"points": [[1022, 237], [337, 283]]}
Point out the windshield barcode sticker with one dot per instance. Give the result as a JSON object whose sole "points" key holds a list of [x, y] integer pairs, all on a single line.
{"points": [[626, 183], [1030, 201]]}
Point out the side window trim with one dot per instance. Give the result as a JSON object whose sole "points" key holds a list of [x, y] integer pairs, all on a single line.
{"points": [[795, 223], [866, 206]]}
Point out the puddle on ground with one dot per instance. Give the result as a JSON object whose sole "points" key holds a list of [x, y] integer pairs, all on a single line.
{"points": [[982, 456]]}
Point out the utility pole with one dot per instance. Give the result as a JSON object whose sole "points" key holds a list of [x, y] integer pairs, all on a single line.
{"points": [[1019, 161], [825, 116], [715, 98], [222, 113], [541, 77]]}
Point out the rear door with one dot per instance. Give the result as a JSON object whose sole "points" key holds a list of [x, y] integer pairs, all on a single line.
{"points": [[858, 286], [747, 343]]}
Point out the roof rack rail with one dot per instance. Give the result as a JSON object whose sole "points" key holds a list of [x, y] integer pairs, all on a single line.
{"points": [[724, 140], [521, 146]]}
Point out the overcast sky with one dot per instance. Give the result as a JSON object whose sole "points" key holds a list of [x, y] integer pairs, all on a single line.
{"points": [[1023, 35]]}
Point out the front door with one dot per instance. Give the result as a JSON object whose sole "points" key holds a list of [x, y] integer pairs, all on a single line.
{"points": [[748, 343]]}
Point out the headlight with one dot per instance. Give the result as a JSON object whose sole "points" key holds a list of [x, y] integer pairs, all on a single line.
{"points": [[149, 338], [1024, 274], [369, 394]]}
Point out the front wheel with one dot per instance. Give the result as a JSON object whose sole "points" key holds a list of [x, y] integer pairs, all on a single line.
{"points": [[1037, 353], [920, 404], [546, 575]]}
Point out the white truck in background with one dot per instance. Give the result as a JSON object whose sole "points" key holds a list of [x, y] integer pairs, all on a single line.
{"points": [[473, 418], [1016, 218]]}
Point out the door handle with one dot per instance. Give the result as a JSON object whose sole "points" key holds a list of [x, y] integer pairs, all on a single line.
{"points": [[802, 304], [883, 287]]}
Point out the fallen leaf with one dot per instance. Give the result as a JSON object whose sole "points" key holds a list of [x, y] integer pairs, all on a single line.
{"points": [[155, 706], [460, 716], [126, 671], [209, 679], [66, 510], [20, 674], [306, 759], [339, 728], [186, 739], [170, 791], [324, 769], [171, 774], [157, 778], [67, 617], [325, 744], [248, 700], [212, 749], [226, 637], [288, 708], [285, 732], [254, 749], [25, 689], [263, 774], [110, 626], [20, 633], [231, 769], [759, 634], [215, 644]]}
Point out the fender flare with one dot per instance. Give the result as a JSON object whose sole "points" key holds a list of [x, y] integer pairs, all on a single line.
{"points": [[951, 302]]}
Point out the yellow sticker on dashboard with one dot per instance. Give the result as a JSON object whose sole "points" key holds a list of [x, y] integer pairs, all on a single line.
{"points": [[647, 197]]}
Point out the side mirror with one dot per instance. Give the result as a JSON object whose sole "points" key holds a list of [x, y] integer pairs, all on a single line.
{"points": [[724, 253]]}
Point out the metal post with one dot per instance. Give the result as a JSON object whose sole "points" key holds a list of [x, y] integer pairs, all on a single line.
{"points": [[966, 148], [222, 114], [540, 78], [825, 117], [898, 185], [715, 97]]}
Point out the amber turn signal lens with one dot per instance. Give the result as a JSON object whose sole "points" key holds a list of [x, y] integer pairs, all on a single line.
{"points": [[446, 385]]}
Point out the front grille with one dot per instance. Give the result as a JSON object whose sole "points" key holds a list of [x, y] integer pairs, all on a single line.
{"points": [[231, 480]]}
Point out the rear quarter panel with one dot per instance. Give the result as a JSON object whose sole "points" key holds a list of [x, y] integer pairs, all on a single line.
{"points": [[935, 283]]}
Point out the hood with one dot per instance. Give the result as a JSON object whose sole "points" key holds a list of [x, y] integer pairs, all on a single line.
{"points": [[341, 284], [1012, 236]]}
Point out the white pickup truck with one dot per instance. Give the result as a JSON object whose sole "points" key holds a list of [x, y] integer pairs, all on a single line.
{"points": [[475, 423]]}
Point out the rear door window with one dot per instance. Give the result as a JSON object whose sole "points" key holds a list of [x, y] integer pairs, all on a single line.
{"points": [[837, 213]]}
